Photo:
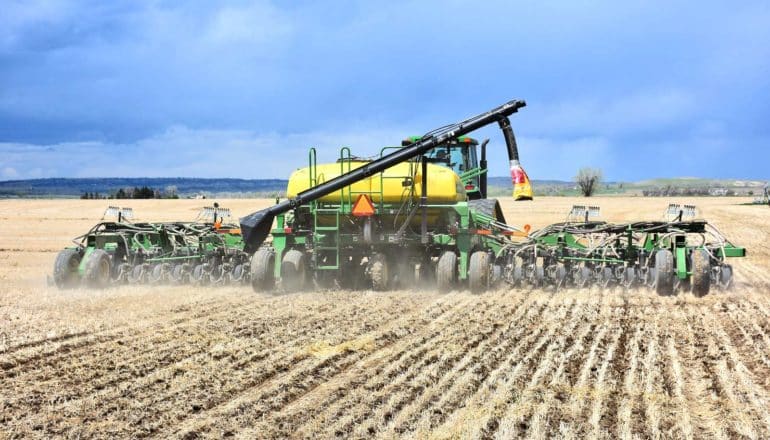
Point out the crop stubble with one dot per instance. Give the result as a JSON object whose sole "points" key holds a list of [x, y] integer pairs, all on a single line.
{"points": [[188, 362]]}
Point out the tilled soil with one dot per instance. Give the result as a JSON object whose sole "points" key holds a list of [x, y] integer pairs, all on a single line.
{"points": [[195, 362]]}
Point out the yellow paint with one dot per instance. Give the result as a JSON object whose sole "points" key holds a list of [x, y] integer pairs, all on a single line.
{"points": [[444, 185]]}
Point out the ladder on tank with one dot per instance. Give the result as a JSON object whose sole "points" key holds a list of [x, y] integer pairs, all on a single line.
{"points": [[326, 240]]}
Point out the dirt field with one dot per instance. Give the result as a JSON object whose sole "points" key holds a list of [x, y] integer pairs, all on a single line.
{"points": [[187, 362]]}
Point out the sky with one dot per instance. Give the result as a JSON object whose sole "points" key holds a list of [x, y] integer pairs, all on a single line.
{"points": [[639, 89]]}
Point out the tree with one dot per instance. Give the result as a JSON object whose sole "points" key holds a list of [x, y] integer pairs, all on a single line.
{"points": [[144, 192], [588, 180], [171, 192]]}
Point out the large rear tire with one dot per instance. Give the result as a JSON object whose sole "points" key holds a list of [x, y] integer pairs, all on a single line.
{"points": [[293, 271], [479, 272], [379, 272], [262, 270], [446, 271], [664, 272], [97, 273], [65, 269], [700, 266]]}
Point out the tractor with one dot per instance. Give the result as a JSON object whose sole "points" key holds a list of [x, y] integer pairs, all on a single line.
{"points": [[417, 213]]}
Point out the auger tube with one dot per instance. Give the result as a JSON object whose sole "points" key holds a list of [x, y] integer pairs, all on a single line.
{"points": [[256, 226], [510, 139]]}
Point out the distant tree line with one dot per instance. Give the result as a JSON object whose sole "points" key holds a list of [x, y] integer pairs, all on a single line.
{"points": [[144, 192], [672, 191]]}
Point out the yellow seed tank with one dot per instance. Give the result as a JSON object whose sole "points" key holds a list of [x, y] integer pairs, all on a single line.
{"points": [[444, 185]]}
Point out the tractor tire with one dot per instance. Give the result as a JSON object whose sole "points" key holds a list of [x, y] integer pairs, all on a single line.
{"points": [[478, 272], [700, 266], [293, 271], [488, 207], [664, 272], [379, 273], [65, 269], [446, 271], [262, 270], [98, 269]]}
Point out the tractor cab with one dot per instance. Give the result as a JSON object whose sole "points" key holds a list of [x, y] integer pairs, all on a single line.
{"points": [[460, 155]]}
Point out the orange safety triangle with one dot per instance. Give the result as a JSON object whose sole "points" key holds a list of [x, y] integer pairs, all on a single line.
{"points": [[363, 206]]}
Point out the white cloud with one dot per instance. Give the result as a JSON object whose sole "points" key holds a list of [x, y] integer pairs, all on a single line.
{"points": [[185, 152], [256, 24], [9, 173]]}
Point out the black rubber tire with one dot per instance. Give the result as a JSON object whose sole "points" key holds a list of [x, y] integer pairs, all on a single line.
{"points": [[379, 272], [98, 269], [236, 275], [156, 274], [629, 277], [479, 272], [137, 275], [490, 207], [293, 271], [446, 271], [199, 276], [664, 272], [608, 277], [700, 266], [583, 277], [518, 275], [177, 274], [262, 270], [538, 277], [217, 275], [560, 275], [65, 269]]}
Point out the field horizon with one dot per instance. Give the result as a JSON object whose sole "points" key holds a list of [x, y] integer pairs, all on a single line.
{"points": [[186, 187]]}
